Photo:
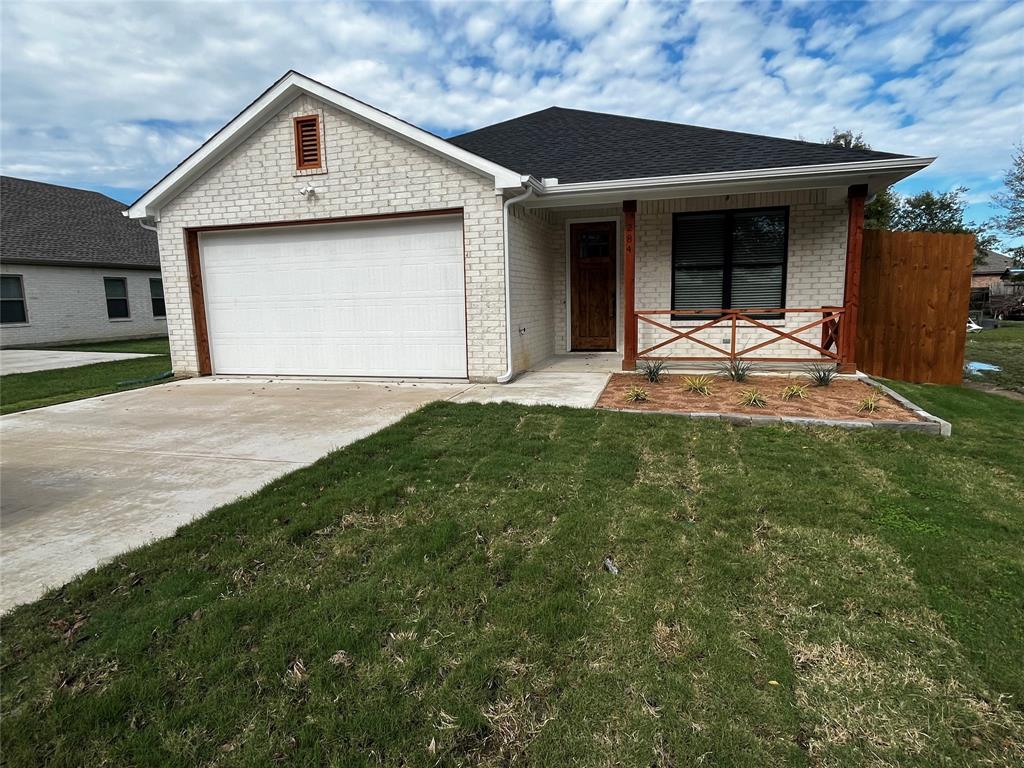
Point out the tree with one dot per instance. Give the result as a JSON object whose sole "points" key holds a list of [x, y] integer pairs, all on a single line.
{"points": [[1011, 220], [880, 213], [847, 139]]}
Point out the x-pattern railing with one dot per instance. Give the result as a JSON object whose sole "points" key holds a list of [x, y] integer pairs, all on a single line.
{"points": [[734, 319]]}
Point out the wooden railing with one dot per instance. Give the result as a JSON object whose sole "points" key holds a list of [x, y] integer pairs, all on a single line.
{"points": [[829, 350]]}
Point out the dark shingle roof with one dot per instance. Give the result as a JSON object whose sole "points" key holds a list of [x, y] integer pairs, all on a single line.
{"points": [[46, 224], [992, 263], [577, 146]]}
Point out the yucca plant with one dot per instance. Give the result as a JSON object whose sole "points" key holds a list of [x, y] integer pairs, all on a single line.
{"points": [[798, 391], [870, 403], [753, 398], [699, 385], [652, 370], [637, 394], [821, 375], [736, 370]]}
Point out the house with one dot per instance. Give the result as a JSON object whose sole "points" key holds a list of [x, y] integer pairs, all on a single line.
{"points": [[73, 268], [317, 235], [990, 269]]}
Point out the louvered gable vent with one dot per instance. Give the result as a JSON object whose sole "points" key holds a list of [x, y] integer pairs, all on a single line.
{"points": [[307, 142]]}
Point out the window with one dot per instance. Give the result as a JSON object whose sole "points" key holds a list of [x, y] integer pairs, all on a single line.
{"points": [[156, 296], [307, 142], [116, 289], [729, 260], [12, 300]]}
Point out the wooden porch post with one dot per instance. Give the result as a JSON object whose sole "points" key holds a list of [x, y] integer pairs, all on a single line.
{"points": [[851, 293], [629, 285]]}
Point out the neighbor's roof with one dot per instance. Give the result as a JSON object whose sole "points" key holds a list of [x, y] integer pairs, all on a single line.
{"points": [[575, 146], [992, 263], [60, 226]]}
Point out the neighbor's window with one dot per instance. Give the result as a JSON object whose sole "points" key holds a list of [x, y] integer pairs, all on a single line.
{"points": [[12, 300], [307, 142], [156, 296], [729, 260], [116, 289]]}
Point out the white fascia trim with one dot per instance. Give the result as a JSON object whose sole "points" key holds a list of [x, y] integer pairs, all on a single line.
{"points": [[282, 92], [890, 165]]}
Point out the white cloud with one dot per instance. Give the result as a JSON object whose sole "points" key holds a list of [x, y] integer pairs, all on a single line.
{"points": [[100, 93]]}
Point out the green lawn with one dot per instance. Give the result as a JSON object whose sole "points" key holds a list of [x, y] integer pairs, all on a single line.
{"points": [[21, 391], [1003, 347], [433, 595]]}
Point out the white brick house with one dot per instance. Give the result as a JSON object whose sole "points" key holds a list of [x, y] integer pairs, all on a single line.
{"points": [[73, 268], [317, 235]]}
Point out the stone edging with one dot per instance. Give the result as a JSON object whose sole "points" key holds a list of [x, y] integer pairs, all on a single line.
{"points": [[940, 426]]}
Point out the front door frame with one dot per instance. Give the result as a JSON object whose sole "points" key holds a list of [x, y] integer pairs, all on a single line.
{"points": [[617, 221]]}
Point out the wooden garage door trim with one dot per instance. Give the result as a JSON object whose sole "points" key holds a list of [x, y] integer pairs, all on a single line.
{"points": [[195, 272]]}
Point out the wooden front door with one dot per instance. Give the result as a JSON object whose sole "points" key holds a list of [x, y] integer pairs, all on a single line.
{"points": [[592, 285]]}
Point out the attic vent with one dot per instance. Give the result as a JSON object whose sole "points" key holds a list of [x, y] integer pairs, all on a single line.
{"points": [[307, 142]]}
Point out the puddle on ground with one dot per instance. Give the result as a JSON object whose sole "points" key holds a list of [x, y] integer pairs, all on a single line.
{"points": [[976, 369]]}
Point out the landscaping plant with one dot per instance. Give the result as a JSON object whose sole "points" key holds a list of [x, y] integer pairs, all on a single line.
{"points": [[794, 390], [637, 395], [699, 385], [870, 403], [753, 398], [736, 370], [821, 375], [652, 370]]}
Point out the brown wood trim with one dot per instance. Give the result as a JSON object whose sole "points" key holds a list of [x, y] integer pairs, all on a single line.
{"points": [[330, 220], [297, 124], [195, 284], [629, 321], [851, 292]]}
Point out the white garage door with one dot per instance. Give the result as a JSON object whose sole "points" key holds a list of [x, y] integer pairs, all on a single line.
{"points": [[383, 298]]}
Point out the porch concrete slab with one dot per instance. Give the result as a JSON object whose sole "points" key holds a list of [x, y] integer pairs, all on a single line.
{"points": [[581, 362], [27, 360], [577, 389], [85, 481]]}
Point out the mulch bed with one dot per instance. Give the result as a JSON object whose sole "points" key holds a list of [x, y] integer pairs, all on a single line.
{"points": [[837, 401]]}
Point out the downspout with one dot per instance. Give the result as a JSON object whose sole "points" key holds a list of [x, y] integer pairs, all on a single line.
{"points": [[508, 375]]}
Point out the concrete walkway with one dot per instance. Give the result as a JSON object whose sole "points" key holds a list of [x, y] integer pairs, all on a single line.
{"points": [[85, 481], [26, 360]]}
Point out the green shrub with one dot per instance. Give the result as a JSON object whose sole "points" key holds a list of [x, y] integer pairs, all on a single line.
{"points": [[753, 398], [652, 370], [821, 375], [699, 385], [736, 370], [798, 391], [637, 394]]}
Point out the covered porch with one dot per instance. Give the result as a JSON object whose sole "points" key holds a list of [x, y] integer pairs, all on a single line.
{"points": [[769, 277]]}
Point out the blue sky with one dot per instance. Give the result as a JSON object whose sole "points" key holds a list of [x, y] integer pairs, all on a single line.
{"points": [[110, 96]]}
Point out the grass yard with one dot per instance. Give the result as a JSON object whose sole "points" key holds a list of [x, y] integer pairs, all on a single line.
{"points": [[434, 595], [22, 391], [1004, 347]]}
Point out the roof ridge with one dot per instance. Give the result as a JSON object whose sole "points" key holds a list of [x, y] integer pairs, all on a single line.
{"points": [[64, 186]]}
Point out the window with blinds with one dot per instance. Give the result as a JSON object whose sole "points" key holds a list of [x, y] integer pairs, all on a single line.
{"points": [[729, 260], [307, 142]]}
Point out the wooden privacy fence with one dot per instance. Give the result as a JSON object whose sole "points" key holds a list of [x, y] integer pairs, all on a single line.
{"points": [[915, 290]]}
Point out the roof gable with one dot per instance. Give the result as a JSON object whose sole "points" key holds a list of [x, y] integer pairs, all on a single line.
{"points": [[60, 226], [269, 103], [575, 146]]}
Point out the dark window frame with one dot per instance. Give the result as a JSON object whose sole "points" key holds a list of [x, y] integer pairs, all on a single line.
{"points": [[127, 304], [727, 265], [300, 165], [23, 300], [154, 299]]}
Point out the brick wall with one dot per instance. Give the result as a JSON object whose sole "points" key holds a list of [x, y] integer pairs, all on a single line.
{"points": [[533, 266], [367, 171], [68, 304]]}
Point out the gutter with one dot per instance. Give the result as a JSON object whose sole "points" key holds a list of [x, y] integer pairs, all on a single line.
{"points": [[508, 375]]}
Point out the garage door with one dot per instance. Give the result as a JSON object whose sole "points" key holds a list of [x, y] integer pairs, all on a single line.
{"points": [[383, 298]]}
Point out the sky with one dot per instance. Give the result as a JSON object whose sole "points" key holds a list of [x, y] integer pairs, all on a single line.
{"points": [[111, 96]]}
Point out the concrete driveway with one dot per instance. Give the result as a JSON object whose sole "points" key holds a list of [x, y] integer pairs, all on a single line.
{"points": [[83, 482], [26, 360]]}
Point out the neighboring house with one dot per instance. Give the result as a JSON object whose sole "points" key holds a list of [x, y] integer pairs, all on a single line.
{"points": [[317, 235], [990, 270], [74, 268]]}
